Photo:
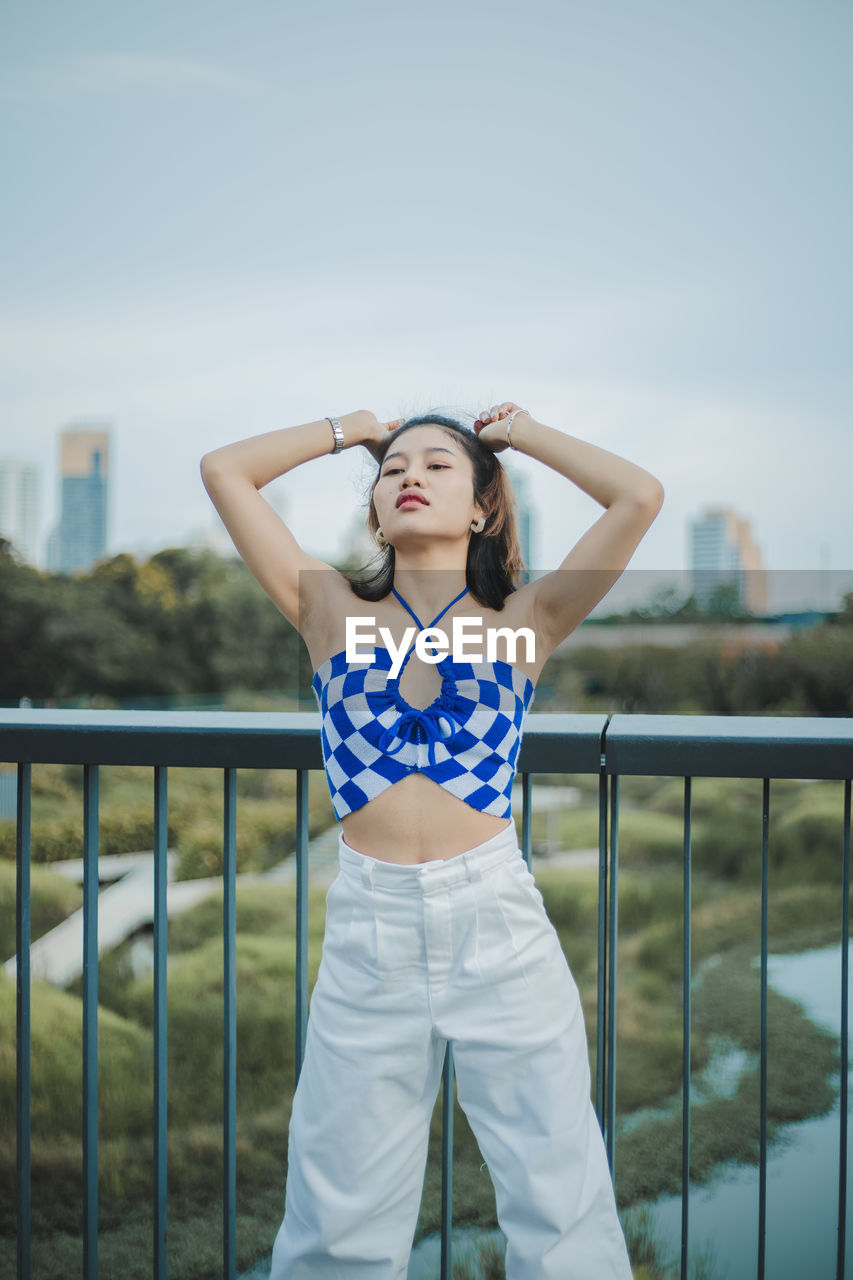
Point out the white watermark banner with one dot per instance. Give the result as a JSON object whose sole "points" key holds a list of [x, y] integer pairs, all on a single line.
{"points": [[432, 644]]}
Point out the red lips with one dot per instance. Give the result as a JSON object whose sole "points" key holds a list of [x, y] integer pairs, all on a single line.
{"points": [[410, 496]]}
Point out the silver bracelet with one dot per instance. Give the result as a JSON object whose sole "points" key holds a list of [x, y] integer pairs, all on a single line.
{"points": [[339, 435], [509, 423]]}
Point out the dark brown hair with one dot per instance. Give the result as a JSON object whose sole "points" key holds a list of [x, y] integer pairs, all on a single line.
{"points": [[494, 556]]}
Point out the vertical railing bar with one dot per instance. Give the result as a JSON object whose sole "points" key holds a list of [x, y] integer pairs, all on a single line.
{"points": [[90, 1021], [845, 988], [161, 868], [527, 819], [302, 776], [686, 1007], [610, 1134], [23, 1101], [762, 1139], [601, 1013], [446, 1269], [229, 937]]}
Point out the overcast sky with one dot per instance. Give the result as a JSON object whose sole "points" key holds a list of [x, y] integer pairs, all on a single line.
{"points": [[632, 219]]}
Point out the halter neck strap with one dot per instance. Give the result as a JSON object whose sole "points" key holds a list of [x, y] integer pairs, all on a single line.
{"points": [[439, 616], [420, 626]]}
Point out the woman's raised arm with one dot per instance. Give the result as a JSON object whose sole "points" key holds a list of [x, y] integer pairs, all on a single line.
{"points": [[559, 601], [233, 476]]}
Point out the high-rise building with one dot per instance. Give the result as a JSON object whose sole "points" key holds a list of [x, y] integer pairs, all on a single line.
{"points": [[723, 554], [80, 538], [19, 495], [523, 515]]}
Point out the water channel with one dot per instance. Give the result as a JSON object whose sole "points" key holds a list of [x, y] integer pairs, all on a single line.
{"points": [[802, 1179], [802, 1170]]}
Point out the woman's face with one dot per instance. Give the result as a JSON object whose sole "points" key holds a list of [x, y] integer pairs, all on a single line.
{"points": [[427, 464]]}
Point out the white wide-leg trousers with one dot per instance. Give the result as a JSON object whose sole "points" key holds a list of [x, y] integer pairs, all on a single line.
{"points": [[415, 956]]}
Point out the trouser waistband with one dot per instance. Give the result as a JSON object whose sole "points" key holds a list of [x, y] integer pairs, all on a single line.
{"points": [[438, 873]]}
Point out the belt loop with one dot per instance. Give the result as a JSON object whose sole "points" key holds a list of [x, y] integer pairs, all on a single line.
{"points": [[472, 866], [367, 870]]}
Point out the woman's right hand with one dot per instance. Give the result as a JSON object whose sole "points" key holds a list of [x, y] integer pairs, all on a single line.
{"points": [[370, 431]]}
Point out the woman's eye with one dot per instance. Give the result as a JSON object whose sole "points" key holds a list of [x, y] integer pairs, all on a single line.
{"points": [[395, 471]]}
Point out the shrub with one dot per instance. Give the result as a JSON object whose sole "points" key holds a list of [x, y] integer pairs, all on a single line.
{"points": [[265, 1025], [266, 834], [124, 1066], [643, 836], [805, 842], [124, 830], [52, 898], [261, 909], [649, 837]]}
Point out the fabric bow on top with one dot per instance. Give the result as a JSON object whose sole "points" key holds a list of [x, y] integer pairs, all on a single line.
{"points": [[416, 724]]}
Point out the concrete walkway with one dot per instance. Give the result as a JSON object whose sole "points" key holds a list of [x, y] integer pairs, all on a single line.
{"points": [[127, 903]]}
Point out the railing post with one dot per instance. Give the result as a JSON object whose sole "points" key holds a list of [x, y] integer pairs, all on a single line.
{"points": [[301, 916], [527, 819], [229, 1074], [90, 1021], [845, 989], [762, 1135], [612, 937], [22, 950], [601, 1011], [686, 1008], [161, 854]]}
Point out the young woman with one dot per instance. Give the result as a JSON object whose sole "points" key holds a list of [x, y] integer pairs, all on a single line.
{"points": [[435, 931]]}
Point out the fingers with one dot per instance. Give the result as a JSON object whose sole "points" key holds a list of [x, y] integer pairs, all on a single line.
{"points": [[497, 412]]}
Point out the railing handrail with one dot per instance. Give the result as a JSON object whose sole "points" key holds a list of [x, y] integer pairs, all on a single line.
{"points": [[730, 746], [676, 745]]}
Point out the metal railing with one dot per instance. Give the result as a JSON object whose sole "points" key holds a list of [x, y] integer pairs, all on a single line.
{"points": [[674, 746]]}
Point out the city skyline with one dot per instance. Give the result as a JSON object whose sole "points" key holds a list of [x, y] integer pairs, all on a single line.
{"points": [[763, 589], [213, 533], [76, 441]]}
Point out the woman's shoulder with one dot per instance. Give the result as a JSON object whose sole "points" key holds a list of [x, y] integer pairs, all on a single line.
{"points": [[325, 595], [514, 634], [334, 606], [517, 610], [517, 615]]}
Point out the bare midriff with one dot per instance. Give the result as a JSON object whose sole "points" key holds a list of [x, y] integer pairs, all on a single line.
{"points": [[416, 820]]}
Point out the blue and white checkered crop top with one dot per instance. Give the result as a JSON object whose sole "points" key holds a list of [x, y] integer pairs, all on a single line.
{"points": [[467, 740]]}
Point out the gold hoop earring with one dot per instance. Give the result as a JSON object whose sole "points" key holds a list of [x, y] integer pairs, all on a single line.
{"points": [[381, 539], [479, 526]]}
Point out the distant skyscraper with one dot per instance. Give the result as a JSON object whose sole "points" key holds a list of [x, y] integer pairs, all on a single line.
{"points": [[523, 515], [19, 493], [722, 553], [80, 539]]}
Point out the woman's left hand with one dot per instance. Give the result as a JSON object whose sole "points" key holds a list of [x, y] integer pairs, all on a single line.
{"points": [[491, 425]]}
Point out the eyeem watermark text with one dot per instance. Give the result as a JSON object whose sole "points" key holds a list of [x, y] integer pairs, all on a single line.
{"points": [[465, 631]]}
